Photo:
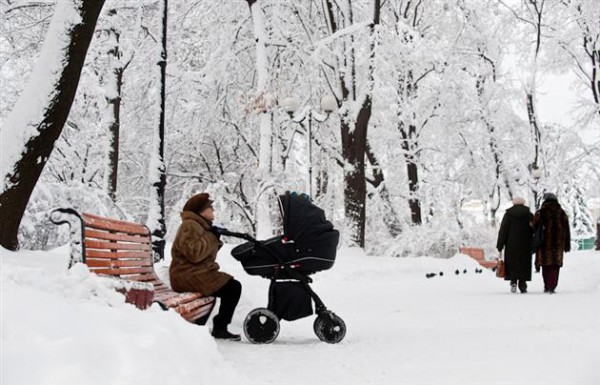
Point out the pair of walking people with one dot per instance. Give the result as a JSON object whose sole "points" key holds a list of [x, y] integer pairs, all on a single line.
{"points": [[516, 238]]}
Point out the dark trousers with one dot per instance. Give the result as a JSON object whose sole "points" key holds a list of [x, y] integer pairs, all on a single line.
{"points": [[230, 296], [550, 274]]}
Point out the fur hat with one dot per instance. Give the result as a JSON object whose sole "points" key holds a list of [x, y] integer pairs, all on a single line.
{"points": [[197, 203], [550, 197]]}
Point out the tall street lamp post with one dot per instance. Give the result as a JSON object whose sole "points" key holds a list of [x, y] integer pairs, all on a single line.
{"points": [[291, 105]]}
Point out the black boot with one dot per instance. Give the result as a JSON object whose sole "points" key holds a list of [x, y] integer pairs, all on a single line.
{"points": [[223, 334], [523, 287]]}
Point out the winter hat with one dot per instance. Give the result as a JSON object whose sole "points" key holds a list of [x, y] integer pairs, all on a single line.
{"points": [[550, 197], [197, 203], [518, 200]]}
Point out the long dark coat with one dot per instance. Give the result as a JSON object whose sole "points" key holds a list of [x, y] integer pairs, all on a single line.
{"points": [[193, 266], [557, 236], [515, 237]]}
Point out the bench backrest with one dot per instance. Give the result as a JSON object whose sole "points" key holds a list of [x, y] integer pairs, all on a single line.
{"points": [[124, 250], [117, 248]]}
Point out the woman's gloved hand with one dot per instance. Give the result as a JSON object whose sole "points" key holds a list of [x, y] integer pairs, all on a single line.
{"points": [[217, 231]]}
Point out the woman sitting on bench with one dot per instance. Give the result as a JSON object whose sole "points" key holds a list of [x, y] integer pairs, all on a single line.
{"points": [[193, 266]]}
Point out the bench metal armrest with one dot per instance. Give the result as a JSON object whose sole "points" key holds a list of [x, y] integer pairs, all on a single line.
{"points": [[73, 219]]}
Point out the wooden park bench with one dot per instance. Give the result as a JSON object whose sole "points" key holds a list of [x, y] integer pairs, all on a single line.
{"points": [[479, 255], [123, 250]]}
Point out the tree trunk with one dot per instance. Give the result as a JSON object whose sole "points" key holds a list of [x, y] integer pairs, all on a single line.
{"points": [[493, 144], [322, 181], [355, 189], [354, 134], [263, 204], [158, 176], [62, 72], [590, 45], [536, 10], [537, 138], [114, 82], [391, 218], [409, 144], [114, 128], [596, 77], [407, 90]]}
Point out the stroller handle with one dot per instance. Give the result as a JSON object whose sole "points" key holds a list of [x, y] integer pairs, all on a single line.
{"points": [[245, 236]]}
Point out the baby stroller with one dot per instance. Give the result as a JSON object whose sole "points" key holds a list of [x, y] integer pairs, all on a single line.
{"points": [[308, 245]]}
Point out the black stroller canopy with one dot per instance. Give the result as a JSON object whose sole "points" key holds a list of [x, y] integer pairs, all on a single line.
{"points": [[303, 222], [307, 245]]}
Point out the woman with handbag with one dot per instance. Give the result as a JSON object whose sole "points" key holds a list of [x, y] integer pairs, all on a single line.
{"points": [[555, 239], [514, 238]]}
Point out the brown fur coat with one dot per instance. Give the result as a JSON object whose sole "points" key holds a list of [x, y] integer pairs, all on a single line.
{"points": [[193, 257], [557, 236]]}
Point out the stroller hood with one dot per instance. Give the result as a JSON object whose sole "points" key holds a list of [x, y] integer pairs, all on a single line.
{"points": [[305, 223], [308, 244]]}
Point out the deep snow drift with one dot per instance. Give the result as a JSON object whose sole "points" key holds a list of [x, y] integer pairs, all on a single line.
{"points": [[68, 327]]}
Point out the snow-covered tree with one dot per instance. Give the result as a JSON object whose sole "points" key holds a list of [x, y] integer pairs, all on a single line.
{"points": [[582, 221], [431, 113], [156, 221], [583, 44], [353, 32], [262, 104], [112, 61], [28, 134]]}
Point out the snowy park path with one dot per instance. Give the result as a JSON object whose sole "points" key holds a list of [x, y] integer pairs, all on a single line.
{"points": [[67, 327], [450, 329]]}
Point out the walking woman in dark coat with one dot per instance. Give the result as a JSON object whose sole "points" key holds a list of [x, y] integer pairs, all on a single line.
{"points": [[556, 240], [515, 238]]}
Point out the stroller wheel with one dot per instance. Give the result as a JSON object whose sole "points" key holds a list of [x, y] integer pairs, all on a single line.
{"points": [[261, 326], [329, 327]]}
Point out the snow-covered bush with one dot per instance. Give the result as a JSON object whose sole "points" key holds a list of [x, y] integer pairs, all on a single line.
{"points": [[435, 239], [37, 232]]}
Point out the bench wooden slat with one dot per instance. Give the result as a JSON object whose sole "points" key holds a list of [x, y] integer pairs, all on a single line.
{"points": [[158, 284], [473, 252], [97, 234], [97, 222], [489, 264], [93, 244], [192, 305], [147, 277], [478, 254], [123, 272], [122, 255], [174, 299], [199, 312], [112, 263]]}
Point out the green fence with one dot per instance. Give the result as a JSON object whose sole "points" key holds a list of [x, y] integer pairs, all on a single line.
{"points": [[586, 243]]}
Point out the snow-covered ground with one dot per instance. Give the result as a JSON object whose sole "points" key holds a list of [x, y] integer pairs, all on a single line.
{"points": [[67, 327]]}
